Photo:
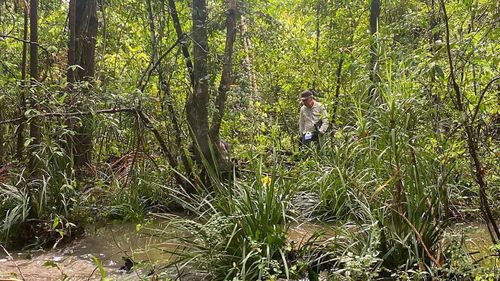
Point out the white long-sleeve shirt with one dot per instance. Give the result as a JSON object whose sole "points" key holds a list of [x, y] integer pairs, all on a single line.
{"points": [[311, 116]]}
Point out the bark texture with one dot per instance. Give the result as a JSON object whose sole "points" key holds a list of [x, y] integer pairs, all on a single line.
{"points": [[227, 72], [83, 26], [35, 130], [22, 97], [197, 104]]}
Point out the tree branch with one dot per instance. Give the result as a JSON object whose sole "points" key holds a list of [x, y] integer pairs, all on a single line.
{"points": [[483, 93], [471, 140], [149, 71], [6, 36], [139, 113], [68, 114]]}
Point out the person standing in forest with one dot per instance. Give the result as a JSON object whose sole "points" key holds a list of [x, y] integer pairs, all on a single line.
{"points": [[313, 121]]}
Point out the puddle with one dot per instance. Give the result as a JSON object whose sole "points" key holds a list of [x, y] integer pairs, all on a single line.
{"points": [[75, 260], [477, 241]]}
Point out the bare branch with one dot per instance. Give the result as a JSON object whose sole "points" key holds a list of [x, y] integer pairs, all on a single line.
{"points": [[6, 36], [149, 71], [69, 114], [15, 263], [483, 93]]}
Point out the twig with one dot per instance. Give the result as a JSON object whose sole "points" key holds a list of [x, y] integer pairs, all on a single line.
{"points": [[483, 93], [15, 263], [148, 73], [5, 36], [92, 273], [70, 114]]}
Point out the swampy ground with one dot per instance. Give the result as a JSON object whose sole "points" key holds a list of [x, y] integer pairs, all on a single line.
{"points": [[376, 122], [112, 242]]}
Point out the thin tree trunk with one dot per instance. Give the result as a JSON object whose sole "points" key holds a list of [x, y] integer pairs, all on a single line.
{"points": [[434, 35], [226, 77], [471, 139], [182, 39], [375, 7], [35, 129], [154, 53], [2, 140], [248, 61], [70, 75], [168, 94], [163, 86], [337, 88], [22, 97], [316, 48]]}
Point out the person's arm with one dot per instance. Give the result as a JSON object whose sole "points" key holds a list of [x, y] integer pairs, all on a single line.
{"points": [[301, 123], [324, 119]]}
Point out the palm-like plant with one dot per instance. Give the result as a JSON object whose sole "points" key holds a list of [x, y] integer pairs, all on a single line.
{"points": [[238, 230]]}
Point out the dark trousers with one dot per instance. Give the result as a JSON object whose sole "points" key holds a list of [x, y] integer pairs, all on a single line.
{"points": [[314, 141]]}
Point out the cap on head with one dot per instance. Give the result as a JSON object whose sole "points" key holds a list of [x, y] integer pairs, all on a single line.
{"points": [[306, 94]]}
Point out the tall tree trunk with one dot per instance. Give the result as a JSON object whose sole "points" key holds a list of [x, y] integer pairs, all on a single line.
{"points": [[375, 7], [22, 97], [35, 129], [226, 79], [197, 103], [338, 86], [154, 46], [248, 61], [434, 35], [70, 75], [82, 42]]}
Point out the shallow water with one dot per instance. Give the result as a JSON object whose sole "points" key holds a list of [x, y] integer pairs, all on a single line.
{"points": [[75, 260], [477, 241], [111, 242]]}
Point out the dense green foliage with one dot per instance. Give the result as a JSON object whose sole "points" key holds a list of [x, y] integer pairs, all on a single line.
{"points": [[398, 168]]}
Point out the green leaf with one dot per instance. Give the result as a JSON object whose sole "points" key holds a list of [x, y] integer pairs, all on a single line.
{"points": [[50, 263], [62, 98], [101, 267], [55, 223], [438, 72]]}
